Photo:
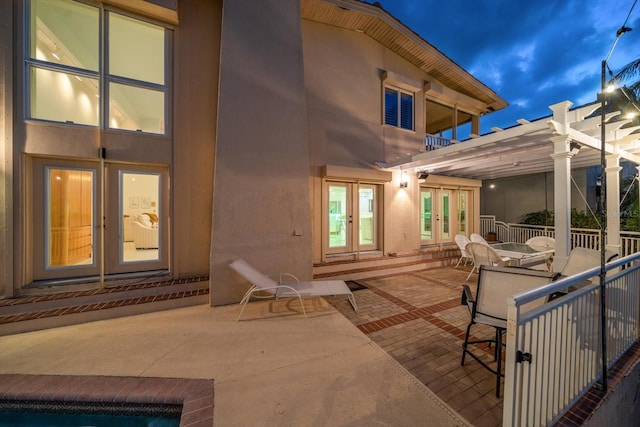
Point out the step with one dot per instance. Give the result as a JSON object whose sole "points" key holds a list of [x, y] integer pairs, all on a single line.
{"points": [[36, 312], [370, 265]]}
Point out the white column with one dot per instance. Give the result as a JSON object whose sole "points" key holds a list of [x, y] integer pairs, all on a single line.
{"points": [[613, 203], [561, 199]]}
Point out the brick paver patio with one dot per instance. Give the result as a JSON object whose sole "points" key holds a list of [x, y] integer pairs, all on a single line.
{"points": [[418, 319]]}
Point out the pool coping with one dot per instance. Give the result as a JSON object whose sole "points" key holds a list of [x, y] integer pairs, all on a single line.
{"points": [[195, 395]]}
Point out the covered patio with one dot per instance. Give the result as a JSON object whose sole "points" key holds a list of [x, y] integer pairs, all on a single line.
{"points": [[567, 139]]}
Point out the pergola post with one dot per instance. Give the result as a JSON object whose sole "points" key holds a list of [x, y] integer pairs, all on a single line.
{"points": [[562, 199], [613, 203]]}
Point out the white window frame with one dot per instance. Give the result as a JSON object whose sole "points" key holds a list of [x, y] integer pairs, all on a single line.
{"points": [[399, 93], [103, 77]]}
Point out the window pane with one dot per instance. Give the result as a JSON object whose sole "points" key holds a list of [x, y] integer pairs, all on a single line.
{"points": [[406, 111], [134, 108], [63, 97], [70, 217], [136, 49], [65, 32], [390, 107]]}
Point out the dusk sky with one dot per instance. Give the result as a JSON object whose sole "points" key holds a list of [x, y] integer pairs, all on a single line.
{"points": [[533, 53]]}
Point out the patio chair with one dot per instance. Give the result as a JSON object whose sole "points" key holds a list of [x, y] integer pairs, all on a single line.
{"points": [[476, 238], [483, 254], [294, 289], [583, 259], [462, 241], [489, 307], [544, 243]]}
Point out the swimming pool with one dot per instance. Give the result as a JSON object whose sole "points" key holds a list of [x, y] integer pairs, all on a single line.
{"points": [[25, 419], [72, 414]]}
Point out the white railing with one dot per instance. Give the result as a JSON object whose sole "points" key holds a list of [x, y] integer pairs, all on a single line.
{"points": [[433, 142], [554, 353], [580, 237]]}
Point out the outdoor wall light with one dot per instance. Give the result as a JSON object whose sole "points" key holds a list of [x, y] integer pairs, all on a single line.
{"points": [[422, 175], [404, 180]]}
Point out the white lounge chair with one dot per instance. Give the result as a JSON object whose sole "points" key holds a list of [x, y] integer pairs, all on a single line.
{"points": [[294, 289]]}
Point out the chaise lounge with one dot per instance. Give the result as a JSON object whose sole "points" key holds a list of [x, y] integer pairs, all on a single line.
{"points": [[295, 289]]}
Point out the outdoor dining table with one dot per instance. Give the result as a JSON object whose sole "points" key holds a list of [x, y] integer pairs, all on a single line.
{"points": [[523, 254]]}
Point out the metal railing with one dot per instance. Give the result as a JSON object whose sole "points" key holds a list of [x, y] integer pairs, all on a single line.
{"points": [[580, 237], [554, 352], [433, 142]]}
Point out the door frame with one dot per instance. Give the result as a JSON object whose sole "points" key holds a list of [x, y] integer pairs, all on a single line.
{"points": [[109, 242], [352, 220]]}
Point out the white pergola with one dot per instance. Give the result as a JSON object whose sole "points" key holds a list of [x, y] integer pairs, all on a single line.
{"points": [[564, 140]]}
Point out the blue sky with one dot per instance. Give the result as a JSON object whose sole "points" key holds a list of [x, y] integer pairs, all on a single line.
{"points": [[533, 53]]}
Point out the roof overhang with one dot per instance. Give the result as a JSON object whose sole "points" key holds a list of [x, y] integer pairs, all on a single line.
{"points": [[378, 24], [527, 147]]}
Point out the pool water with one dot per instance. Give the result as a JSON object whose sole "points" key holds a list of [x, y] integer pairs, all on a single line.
{"points": [[44, 419]]}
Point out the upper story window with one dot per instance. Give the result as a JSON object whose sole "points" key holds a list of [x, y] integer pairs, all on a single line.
{"points": [[92, 66], [398, 108]]}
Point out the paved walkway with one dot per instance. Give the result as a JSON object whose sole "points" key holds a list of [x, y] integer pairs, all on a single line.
{"points": [[274, 368], [418, 319]]}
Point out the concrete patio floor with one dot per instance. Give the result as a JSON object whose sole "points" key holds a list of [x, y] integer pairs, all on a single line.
{"points": [[272, 368]]}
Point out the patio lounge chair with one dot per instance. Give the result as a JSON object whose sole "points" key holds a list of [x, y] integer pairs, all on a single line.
{"points": [[489, 307], [583, 259], [483, 254], [462, 241], [294, 289]]}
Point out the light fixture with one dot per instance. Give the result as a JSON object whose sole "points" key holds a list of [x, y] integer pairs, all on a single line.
{"points": [[422, 175], [404, 180], [574, 147]]}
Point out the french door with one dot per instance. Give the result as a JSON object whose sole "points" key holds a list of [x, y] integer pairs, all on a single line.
{"points": [[351, 217], [438, 222], [91, 219]]}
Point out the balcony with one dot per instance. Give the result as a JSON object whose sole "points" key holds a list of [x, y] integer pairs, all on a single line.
{"points": [[433, 142]]}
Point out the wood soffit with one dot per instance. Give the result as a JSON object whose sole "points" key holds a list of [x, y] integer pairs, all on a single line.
{"points": [[376, 23]]}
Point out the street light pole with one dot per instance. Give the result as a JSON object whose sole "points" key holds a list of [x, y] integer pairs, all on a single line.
{"points": [[603, 200], [603, 219]]}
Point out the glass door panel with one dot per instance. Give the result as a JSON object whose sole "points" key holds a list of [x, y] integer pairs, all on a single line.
{"points": [[338, 215], [139, 213], [141, 220], [444, 215], [64, 219], [426, 216], [367, 218], [69, 226], [463, 212]]}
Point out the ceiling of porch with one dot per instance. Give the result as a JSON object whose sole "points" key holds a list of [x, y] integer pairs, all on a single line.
{"points": [[526, 148]]}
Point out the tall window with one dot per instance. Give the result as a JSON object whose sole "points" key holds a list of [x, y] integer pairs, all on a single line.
{"points": [[398, 108], [70, 83]]}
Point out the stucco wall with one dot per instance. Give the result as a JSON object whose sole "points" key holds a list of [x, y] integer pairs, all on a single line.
{"points": [[343, 82], [197, 61], [511, 198], [261, 205], [6, 142]]}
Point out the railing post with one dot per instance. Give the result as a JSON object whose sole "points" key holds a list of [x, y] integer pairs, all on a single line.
{"points": [[511, 409]]}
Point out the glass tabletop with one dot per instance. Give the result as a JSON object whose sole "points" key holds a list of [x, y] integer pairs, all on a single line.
{"points": [[516, 247]]}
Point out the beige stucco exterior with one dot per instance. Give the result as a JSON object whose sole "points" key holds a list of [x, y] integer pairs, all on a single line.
{"points": [[267, 107]]}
